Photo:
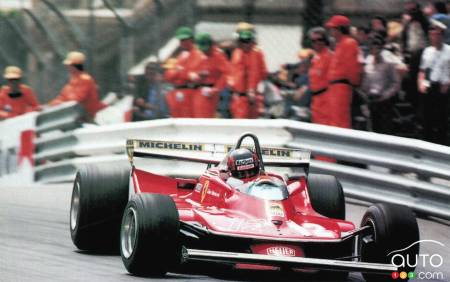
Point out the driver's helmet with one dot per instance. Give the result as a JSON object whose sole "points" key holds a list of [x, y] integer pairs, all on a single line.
{"points": [[243, 163]]}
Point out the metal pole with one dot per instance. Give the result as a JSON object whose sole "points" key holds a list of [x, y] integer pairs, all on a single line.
{"points": [[91, 36], [126, 45], [24, 40], [312, 16], [75, 33], [56, 48]]}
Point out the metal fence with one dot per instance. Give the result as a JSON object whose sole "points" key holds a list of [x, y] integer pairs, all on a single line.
{"points": [[116, 34]]}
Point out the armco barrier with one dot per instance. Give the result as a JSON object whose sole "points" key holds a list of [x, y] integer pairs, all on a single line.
{"points": [[61, 117], [61, 155]]}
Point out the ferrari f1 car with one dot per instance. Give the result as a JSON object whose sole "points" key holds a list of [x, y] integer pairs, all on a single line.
{"points": [[236, 213]]}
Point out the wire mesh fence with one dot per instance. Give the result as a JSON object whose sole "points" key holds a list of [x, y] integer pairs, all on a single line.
{"points": [[118, 34]]}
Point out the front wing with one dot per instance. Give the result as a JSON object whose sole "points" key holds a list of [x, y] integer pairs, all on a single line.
{"points": [[293, 262]]}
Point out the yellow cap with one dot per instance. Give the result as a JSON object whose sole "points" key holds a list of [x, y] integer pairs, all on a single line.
{"points": [[305, 53], [74, 58], [12, 72], [170, 63], [244, 26]]}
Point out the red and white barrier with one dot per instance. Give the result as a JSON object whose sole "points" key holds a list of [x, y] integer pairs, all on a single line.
{"points": [[17, 149]]}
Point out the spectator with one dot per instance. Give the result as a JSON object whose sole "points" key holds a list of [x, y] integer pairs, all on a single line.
{"points": [[378, 24], [344, 72], [248, 68], [81, 86], [380, 83], [213, 71], [414, 40], [183, 76], [153, 105], [438, 11], [362, 36], [16, 98], [318, 82], [392, 50], [434, 82]]}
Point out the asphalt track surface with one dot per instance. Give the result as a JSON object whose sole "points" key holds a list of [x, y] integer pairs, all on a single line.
{"points": [[35, 244]]}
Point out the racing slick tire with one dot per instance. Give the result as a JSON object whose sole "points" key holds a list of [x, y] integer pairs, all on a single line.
{"points": [[326, 195], [149, 236], [99, 196], [394, 227]]}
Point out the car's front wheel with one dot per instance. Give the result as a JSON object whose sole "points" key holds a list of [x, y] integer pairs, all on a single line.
{"points": [[326, 195], [149, 236], [394, 235]]}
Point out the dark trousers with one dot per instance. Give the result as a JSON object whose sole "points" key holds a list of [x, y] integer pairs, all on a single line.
{"points": [[436, 115], [381, 116]]}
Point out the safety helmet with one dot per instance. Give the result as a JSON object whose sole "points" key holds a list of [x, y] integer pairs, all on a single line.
{"points": [[337, 21], [74, 58], [184, 32], [12, 72], [246, 36], [244, 26], [203, 41], [243, 163]]}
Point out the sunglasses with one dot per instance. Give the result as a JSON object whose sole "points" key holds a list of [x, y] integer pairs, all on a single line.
{"points": [[318, 40]]}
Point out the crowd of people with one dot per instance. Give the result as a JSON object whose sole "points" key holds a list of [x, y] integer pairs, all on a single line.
{"points": [[347, 71], [17, 98]]}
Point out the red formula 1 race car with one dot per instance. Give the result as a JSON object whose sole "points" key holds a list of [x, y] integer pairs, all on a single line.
{"points": [[236, 213]]}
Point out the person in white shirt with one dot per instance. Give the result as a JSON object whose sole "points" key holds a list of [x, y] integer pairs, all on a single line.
{"points": [[434, 82], [380, 83]]}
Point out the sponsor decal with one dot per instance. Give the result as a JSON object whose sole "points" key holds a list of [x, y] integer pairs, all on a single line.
{"points": [[245, 167], [244, 164], [281, 251], [423, 260], [266, 151], [169, 145], [246, 161], [213, 193], [283, 153], [198, 187], [249, 225], [204, 191], [276, 210], [130, 149]]}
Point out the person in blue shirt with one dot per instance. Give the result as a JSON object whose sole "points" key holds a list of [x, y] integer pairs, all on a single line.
{"points": [[152, 105]]}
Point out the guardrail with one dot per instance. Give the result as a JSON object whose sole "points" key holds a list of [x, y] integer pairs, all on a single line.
{"points": [[61, 155], [62, 117]]}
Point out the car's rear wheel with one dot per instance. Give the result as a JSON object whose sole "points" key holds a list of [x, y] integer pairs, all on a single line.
{"points": [[393, 228], [326, 195], [149, 237], [99, 196]]}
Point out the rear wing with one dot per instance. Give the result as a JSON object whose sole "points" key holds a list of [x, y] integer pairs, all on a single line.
{"points": [[209, 153]]}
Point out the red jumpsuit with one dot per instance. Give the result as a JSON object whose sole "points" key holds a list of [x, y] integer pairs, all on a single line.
{"points": [[318, 83], [82, 89], [11, 107], [180, 99], [213, 70], [345, 70], [247, 70]]}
